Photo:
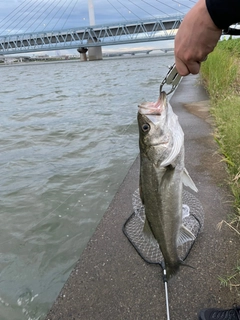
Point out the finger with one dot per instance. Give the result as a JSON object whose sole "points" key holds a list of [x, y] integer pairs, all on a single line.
{"points": [[181, 68], [194, 67]]}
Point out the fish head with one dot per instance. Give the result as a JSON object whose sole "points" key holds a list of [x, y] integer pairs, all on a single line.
{"points": [[160, 135], [151, 130], [152, 122], [158, 108]]}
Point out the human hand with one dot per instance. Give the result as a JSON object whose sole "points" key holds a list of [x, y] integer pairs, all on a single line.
{"points": [[197, 36]]}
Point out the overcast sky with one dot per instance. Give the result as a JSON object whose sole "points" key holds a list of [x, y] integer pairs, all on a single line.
{"points": [[18, 16]]}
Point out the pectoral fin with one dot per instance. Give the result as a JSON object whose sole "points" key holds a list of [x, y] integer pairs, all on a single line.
{"points": [[178, 139], [187, 180], [185, 236]]}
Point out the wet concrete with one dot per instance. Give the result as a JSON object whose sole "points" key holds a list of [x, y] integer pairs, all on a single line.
{"points": [[111, 281]]}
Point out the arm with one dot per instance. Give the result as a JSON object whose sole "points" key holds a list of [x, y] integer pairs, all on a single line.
{"points": [[196, 38], [200, 31]]}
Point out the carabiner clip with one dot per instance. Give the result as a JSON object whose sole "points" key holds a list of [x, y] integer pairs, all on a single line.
{"points": [[172, 78]]}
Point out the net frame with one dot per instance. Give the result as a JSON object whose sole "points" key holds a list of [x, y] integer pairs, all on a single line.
{"points": [[147, 247]]}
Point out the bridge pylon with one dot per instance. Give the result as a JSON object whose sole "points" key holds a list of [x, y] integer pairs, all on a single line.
{"points": [[94, 53], [83, 53]]}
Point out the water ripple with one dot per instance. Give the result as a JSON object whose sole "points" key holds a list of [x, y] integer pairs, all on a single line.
{"points": [[68, 134]]}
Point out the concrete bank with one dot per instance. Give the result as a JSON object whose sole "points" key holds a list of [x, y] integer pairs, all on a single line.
{"points": [[111, 281]]}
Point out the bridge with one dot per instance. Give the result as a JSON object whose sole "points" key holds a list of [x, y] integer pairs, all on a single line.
{"points": [[153, 28], [122, 33]]}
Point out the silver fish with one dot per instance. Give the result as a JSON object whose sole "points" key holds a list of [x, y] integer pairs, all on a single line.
{"points": [[162, 174]]}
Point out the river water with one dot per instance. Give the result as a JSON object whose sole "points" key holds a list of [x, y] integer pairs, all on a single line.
{"points": [[68, 135]]}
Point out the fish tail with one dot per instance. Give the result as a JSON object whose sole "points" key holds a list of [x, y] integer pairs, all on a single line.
{"points": [[171, 270]]}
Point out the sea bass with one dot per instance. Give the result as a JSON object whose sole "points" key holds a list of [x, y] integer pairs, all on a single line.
{"points": [[162, 174]]}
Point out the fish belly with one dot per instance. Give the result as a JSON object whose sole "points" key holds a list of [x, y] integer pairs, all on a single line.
{"points": [[161, 193]]}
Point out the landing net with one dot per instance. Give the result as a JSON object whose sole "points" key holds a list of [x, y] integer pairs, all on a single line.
{"points": [[147, 247]]}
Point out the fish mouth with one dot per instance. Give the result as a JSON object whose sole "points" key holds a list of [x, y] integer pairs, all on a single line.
{"points": [[153, 108], [159, 144]]}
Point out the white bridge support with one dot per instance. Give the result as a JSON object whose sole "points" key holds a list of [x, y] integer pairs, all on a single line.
{"points": [[83, 53], [94, 53]]}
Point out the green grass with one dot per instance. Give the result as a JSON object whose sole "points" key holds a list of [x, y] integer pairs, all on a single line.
{"points": [[232, 280], [220, 72], [221, 76]]}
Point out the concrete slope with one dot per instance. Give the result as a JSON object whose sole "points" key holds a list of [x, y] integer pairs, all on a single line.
{"points": [[111, 281]]}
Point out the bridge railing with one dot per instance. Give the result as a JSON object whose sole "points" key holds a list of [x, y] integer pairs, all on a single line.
{"points": [[90, 36]]}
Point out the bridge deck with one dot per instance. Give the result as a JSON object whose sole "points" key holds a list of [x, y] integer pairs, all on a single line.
{"points": [[132, 32]]}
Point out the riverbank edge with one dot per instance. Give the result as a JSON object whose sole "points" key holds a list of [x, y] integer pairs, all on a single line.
{"points": [[111, 281], [36, 63]]}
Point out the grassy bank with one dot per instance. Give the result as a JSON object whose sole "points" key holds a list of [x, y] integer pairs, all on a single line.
{"points": [[221, 76]]}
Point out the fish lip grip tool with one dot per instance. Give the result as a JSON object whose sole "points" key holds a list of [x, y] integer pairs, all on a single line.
{"points": [[172, 78]]}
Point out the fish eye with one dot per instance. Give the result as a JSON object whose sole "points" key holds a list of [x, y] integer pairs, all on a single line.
{"points": [[145, 127]]}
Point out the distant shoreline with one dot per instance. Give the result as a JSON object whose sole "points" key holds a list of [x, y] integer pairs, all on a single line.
{"points": [[127, 56]]}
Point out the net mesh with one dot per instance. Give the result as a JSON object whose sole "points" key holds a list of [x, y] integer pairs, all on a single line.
{"points": [[147, 247]]}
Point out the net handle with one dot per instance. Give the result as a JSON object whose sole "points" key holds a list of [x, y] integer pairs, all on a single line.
{"points": [[165, 281], [166, 294]]}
